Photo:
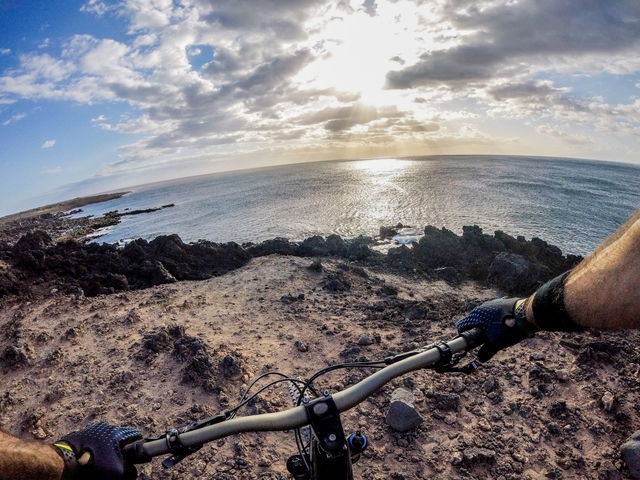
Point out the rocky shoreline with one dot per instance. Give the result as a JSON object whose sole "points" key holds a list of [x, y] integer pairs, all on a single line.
{"points": [[37, 262], [160, 333]]}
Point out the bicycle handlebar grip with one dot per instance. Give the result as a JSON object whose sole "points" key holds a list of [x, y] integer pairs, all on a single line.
{"points": [[474, 337], [134, 453]]}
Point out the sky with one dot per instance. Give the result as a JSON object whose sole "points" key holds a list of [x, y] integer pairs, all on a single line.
{"points": [[101, 95]]}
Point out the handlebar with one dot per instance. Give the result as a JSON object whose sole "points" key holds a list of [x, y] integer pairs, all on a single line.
{"points": [[143, 450]]}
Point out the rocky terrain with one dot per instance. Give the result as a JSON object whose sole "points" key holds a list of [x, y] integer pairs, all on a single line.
{"points": [[161, 333]]}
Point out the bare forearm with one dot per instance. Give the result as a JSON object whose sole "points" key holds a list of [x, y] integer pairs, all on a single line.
{"points": [[604, 290], [20, 460]]}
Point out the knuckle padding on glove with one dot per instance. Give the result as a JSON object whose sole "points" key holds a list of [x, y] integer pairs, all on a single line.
{"points": [[104, 442], [490, 318]]}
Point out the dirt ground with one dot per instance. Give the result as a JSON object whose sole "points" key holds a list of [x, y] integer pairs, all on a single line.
{"points": [[557, 406]]}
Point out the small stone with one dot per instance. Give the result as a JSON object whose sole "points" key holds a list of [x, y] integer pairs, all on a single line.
{"points": [[458, 385], [562, 375], [230, 367], [537, 356], [474, 455], [450, 419], [609, 472], [490, 384], [449, 402], [301, 346], [39, 434], [316, 266], [608, 401], [402, 415], [365, 340]]}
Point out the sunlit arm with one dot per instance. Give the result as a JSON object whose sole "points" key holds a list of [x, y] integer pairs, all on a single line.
{"points": [[603, 291], [20, 460]]}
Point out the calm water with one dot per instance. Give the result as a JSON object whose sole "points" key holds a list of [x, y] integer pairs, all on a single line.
{"points": [[573, 204]]}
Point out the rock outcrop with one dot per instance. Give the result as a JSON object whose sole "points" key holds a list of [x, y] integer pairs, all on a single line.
{"points": [[37, 263]]}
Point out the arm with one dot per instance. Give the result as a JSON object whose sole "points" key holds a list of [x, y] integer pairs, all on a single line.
{"points": [[93, 453], [20, 460], [604, 290]]}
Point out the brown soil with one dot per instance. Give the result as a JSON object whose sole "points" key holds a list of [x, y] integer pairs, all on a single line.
{"points": [[151, 359]]}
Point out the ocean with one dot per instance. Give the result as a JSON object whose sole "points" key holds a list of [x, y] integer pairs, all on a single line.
{"points": [[573, 204]]}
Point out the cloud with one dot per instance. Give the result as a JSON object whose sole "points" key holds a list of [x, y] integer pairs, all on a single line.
{"points": [[48, 144], [14, 118], [559, 134], [500, 40], [457, 61], [53, 170], [5, 51], [45, 43], [370, 7], [336, 119], [96, 7]]}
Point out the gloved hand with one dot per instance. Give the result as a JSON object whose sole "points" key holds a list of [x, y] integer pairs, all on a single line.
{"points": [[503, 325], [103, 442]]}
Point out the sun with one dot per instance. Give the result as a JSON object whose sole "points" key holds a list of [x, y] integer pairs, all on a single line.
{"points": [[356, 51]]}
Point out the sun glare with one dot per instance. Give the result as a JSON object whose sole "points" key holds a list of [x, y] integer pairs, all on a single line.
{"points": [[357, 52], [379, 165]]}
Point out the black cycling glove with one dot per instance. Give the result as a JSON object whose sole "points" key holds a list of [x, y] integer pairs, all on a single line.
{"points": [[104, 443], [503, 325]]}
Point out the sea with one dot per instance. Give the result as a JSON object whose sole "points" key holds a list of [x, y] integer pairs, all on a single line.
{"points": [[573, 204]]}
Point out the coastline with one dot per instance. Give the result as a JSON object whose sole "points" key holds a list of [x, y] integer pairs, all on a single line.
{"points": [[61, 207], [556, 406]]}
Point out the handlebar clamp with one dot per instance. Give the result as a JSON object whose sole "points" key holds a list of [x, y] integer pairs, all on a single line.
{"points": [[172, 437]]}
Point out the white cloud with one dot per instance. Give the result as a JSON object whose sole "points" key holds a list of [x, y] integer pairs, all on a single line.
{"points": [[305, 72], [560, 134], [97, 7], [14, 118], [48, 144], [5, 51], [45, 43], [53, 170]]}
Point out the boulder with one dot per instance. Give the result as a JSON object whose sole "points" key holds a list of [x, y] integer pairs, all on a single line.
{"points": [[631, 453], [335, 243], [388, 232], [313, 247], [277, 245], [439, 248], [513, 273]]}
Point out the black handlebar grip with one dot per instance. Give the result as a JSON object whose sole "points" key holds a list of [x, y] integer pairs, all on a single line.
{"points": [[133, 453], [474, 337]]}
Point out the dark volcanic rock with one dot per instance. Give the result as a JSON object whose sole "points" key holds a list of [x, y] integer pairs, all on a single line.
{"points": [[439, 248], [35, 263], [515, 265], [402, 415], [230, 367], [388, 232], [278, 245], [513, 273], [104, 269], [313, 247]]}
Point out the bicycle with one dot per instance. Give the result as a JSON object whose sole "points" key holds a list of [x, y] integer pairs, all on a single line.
{"points": [[326, 452]]}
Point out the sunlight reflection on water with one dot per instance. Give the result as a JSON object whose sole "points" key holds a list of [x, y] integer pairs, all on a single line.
{"points": [[573, 204]]}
